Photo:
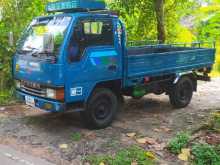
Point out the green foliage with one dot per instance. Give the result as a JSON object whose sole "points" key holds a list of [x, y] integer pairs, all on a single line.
{"points": [[14, 17], [217, 117], [208, 26], [177, 143], [209, 29], [76, 136], [217, 65], [123, 157], [140, 18], [205, 154], [6, 96], [215, 121], [133, 13], [217, 148]]}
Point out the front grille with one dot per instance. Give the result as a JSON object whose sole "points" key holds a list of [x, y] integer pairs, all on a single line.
{"points": [[33, 89]]}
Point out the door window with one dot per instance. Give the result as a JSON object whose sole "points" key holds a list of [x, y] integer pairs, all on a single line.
{"points": [[98, 33], [90, 33], [93, 28]]}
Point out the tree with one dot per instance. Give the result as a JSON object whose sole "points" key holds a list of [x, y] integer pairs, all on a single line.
{"points": [[208, 26], [159, 10], [154, 19], [14, 15]]}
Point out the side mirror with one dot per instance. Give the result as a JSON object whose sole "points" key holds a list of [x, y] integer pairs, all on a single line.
{"points": [[48, 43], [11, 39]]}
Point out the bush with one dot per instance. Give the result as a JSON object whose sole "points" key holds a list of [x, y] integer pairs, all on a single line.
{"points": [[124, 157], [205, 154], [14, 17], [6, 96], [215, 121], [218, 67], [180, 141]]}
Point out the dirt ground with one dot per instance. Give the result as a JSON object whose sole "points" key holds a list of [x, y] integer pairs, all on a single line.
{"points": [[43, 135]]}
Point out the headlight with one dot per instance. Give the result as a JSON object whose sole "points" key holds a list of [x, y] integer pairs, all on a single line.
{"points": [[51, 93], [18, 84], [57, 94]]}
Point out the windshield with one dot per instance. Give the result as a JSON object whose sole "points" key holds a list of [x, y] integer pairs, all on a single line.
{"points": [[33, 38]]}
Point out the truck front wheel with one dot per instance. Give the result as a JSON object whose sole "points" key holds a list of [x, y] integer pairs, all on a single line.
{"points": [[181, 93], [101, 109]]}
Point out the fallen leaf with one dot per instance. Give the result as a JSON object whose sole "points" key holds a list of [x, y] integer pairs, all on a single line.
{"points": [[134, 163], [131, 135], [150, 155], [185, 154], [87, 163], [147, 140], [141, 140], [90, 135], [213, 139], [159, 147], [165, 129], [63, 146], [157, 130], [150, 141]]}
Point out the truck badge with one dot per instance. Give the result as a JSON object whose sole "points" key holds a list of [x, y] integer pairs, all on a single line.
{"points": [[78, 91]]}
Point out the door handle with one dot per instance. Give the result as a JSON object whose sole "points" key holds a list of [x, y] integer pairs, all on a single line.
{"points": [[112, 67]]}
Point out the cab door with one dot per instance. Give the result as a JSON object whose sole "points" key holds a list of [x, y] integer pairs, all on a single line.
{"points": [[93, 56]]}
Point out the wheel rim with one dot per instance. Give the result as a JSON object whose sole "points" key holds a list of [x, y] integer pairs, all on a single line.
{"points": [[185, 92], [102, 109]]}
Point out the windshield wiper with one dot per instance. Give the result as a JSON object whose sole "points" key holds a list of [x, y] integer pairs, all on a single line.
{"points": [[48, 54], [23, 51], [33, 52]]}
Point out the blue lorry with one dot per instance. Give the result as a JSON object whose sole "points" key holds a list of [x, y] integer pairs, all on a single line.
{"points": [[77, 58]]}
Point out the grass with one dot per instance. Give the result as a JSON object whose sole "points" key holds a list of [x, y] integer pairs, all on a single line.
{"points": [[215, 121], [177, 143], [201, 152], [124, 157], [205, 154], [76, 136]]}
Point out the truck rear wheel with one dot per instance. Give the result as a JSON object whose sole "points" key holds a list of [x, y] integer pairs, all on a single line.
{"points": [[101, 109], [181, 93]]}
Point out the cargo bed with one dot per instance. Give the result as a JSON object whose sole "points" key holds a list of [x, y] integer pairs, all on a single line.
{"points": [[163, 60]]}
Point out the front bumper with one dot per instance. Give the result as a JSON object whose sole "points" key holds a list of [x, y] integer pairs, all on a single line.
{"points": [[42, 103]]}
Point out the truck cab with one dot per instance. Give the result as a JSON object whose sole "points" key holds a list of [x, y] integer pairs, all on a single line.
{"points": [[86, 50], [77, 59]]}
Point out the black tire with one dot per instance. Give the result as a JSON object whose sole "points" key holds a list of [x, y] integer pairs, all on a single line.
{"points": [[101, 109], [181, 93]]}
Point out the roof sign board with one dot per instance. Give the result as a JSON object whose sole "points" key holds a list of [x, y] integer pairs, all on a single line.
{"points": [[67, 5]]}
